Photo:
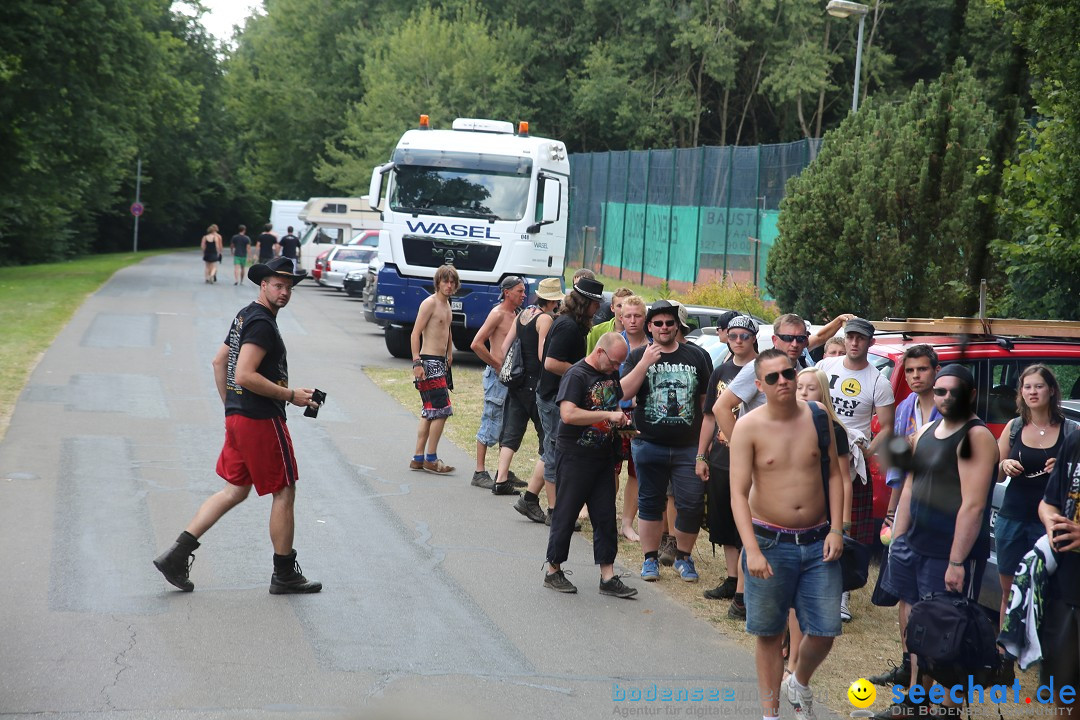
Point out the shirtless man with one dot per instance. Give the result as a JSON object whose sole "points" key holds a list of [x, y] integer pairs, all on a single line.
{"points": [[495, 328], [432, 354], [791, 546]]}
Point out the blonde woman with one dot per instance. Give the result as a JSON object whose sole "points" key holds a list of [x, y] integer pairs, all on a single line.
{"points": [[211, 250]]}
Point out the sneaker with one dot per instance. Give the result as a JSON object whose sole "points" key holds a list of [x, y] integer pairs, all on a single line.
{"points": [[292, 582], [667, 550], [686, 569], [723, 591], [482, 480], [650, 570], [736, 610], [617, 588], [897, 675], [515, 480], [547, 521], [557, 581], [802, 700], [503, 488], [903, 709], [531, 510], [845, 612]]}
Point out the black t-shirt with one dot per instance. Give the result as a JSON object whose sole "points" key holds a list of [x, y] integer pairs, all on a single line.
{"points": [[266, 246], [565, 341], [240, 244], [1063, 492], [589, 389], [255, 324], [668, 403], [719, 453], [290, 244]]}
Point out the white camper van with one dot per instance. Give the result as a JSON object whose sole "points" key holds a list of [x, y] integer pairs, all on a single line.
{"points": [[336, 220], [285, 214]]}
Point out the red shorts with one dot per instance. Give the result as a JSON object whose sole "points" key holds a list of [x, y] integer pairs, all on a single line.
{"points": [[257, 452]]}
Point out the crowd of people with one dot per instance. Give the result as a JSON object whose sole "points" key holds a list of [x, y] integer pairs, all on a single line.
{"points": [[772, 449], [265, 247]]}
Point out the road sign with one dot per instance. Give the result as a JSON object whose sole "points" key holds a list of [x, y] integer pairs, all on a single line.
{"points": [[136, 209]]}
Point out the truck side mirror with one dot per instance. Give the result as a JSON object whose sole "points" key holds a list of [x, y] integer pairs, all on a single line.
{"points": [[552, 200], [375, 188]]}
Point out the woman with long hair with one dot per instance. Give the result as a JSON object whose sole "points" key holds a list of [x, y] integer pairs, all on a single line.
{"points": [[211, 250], [1028, 448]]}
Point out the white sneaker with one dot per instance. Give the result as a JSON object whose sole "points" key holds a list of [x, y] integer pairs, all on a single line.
{"points": [[845, 613], [802, 701]]}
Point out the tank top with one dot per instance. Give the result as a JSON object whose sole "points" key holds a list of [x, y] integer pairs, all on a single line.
{"points": [[530, 346], [1025, 491], [935, 496]]}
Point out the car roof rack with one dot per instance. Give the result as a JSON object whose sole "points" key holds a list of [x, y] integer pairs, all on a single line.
{"points": [[985, 327]]}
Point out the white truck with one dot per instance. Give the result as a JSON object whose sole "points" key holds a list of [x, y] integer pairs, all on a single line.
{"points": [[490, 201], [336, 220], [285, 213]]}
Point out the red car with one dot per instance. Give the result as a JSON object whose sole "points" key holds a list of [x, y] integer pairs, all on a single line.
{"points": [[320, 263]]}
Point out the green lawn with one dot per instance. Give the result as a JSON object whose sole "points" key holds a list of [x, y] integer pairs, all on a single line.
{"points": [[36, 301]]}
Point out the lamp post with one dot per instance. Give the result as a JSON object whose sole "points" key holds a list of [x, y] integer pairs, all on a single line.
{"points": [[843, 9]]}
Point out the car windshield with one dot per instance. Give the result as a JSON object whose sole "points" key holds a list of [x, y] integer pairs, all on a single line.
{"points": [[435, 182]]}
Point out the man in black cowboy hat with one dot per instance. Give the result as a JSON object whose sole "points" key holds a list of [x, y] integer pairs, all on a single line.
{"points": [[252, 378]]}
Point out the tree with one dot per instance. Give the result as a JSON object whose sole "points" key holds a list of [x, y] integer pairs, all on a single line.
{"points": [[444, 65], [881, 222]]}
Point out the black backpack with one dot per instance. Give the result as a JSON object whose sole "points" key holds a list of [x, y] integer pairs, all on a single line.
{"points": [[953, 638]]}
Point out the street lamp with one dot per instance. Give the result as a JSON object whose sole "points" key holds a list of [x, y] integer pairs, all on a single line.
{"points": [[843, 9]]}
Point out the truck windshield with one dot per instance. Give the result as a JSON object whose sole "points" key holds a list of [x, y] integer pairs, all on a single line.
{"points": [[437, 182]]}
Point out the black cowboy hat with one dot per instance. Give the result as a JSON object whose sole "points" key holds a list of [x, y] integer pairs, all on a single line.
{"points": [[283, 266]]}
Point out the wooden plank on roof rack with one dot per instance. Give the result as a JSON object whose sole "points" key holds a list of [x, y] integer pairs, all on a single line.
{"points": [[976, 326]]}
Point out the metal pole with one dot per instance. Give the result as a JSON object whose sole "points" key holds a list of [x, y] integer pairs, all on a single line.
{"points": [[858, 66], [138, 190], [671, 210], [645, 223], [697, 230], [625, 202]]}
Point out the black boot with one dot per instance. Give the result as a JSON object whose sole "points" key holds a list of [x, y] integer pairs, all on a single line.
{"points": [[175, 563], [288, 579]]}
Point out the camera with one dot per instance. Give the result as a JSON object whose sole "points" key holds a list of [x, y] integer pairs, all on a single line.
{"points": [[317, 396]]}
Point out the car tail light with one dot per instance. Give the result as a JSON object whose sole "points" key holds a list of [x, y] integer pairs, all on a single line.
{"points": [[326, 267]]}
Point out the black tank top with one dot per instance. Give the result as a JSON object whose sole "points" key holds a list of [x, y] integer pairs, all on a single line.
{"points": [[1026, 490], [935, 496], [530, 346]]}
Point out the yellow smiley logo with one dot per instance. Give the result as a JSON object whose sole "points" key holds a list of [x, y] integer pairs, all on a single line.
{"points": [[861, 693], [850, 387]]}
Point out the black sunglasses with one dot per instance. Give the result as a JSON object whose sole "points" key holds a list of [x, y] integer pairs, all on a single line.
{"points": [[942, 392], [664, 323], [741, 337], [774, 377], [794, 338]]}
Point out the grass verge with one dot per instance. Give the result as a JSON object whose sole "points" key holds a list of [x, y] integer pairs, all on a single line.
{"points": [[868, 642], [36, 301]]}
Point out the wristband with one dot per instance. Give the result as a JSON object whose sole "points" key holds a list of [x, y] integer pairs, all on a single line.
{"points": [[292, 396], [838, 532], [955, 564], [702, 458], [417, 363]]}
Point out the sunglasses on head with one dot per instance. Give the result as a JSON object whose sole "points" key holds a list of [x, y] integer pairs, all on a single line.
{"points": [[794, 338], [742, 337], [664, 323], [942, 392], [774, 377]]}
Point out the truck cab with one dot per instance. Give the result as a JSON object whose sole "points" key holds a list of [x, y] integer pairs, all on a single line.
{"points": [[488, 199]]}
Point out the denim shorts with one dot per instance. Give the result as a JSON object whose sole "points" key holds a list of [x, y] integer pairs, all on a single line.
{"points": [[549, 420], [492, 418], [800, 579], [658, 465], [911, 576], [1013, 539]]}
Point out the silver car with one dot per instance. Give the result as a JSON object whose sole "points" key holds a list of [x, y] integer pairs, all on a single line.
{"points": [[341, 261]]}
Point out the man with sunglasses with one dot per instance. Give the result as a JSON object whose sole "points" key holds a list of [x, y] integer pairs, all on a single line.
{"points": [[669, 381], [791, 532], [859, 391], [941, 535]]}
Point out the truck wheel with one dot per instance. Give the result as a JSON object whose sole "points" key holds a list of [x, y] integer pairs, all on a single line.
{"points": [[398, 341], [463, 339]]}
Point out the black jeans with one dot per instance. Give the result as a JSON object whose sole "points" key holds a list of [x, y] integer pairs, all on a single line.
{"points": [[519, 408], [589, 481]]}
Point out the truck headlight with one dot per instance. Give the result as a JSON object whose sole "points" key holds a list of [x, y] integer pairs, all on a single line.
{"points": [[385, 300]]}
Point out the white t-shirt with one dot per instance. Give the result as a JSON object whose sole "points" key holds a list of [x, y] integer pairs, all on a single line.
{"points": [[855, 393], [744, 388]]}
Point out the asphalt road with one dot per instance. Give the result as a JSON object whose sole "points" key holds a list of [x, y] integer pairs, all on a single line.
{"points": [[432, 604]]}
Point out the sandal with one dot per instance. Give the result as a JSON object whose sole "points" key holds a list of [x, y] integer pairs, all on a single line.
{"points": [[438, 467]]}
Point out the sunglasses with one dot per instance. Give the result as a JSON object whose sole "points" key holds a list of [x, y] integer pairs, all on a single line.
{"points": [[664, 323], [741, 337], [774, 377], [802, 339], [942, 392]]}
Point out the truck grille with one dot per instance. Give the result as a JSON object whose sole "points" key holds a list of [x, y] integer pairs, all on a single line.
{"points": [[424, 251]]}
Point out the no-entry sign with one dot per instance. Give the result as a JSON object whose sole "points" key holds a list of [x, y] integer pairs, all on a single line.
{"points": [[136, 209]]}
